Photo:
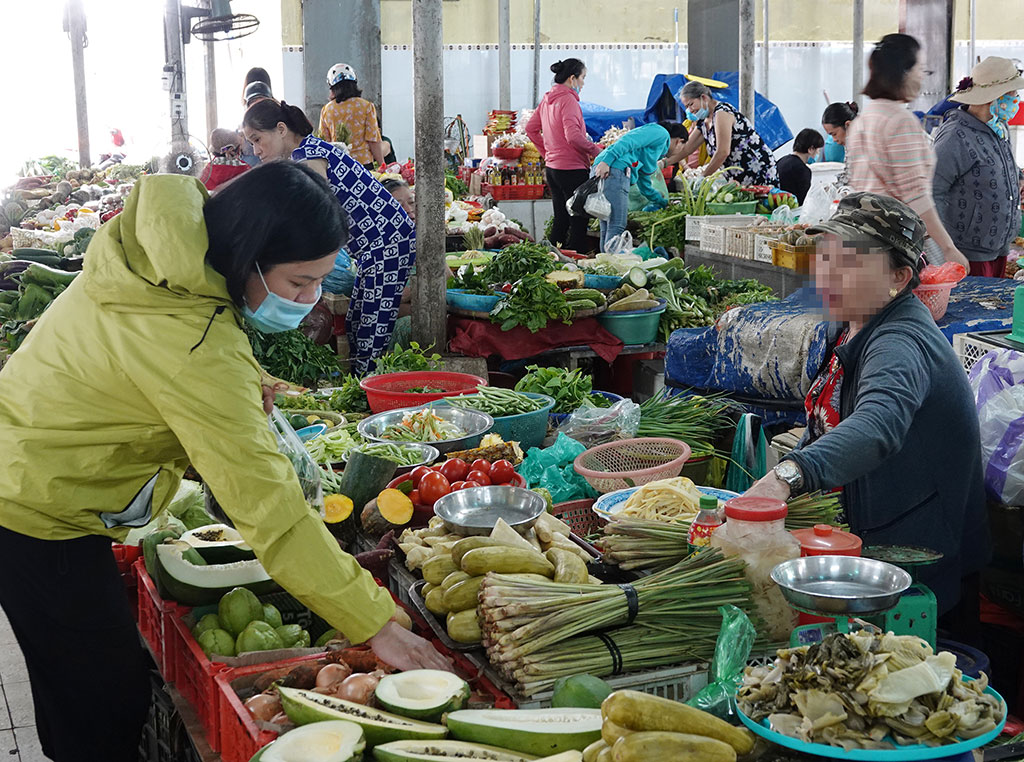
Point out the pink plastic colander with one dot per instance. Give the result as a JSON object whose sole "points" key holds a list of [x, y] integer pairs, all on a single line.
{"points": [[631, 462]]}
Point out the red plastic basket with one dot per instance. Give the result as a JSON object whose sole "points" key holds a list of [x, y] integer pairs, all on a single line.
{"points": [[155, 618], [935, 297], [631, 462], [388, 392], [508, 154], [580, 517], [125, 556], [194, 677]]}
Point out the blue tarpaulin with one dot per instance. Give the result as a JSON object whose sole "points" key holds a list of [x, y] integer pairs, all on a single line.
{"points": [[772, 351], [769, 122]]}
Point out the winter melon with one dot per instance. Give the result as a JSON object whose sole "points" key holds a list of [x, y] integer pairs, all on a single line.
{"points": [[305, 707], [533, 731], [219, 544], [438, 751], [334, 741], [422, 694], [201, 585]]}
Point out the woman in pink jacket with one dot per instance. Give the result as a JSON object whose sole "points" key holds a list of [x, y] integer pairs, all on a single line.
{"points": [[556, 129]]}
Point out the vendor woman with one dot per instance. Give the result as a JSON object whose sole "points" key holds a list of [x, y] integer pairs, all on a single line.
{"points": [[890, 418], [138, 369], [383, 242], [730, 138]]}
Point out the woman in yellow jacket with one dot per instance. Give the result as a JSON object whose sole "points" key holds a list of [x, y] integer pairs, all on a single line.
{"points": [[139, 368]]}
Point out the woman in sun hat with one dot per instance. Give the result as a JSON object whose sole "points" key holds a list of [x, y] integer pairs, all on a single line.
{"points": [[347, 108], [977, 186], [890, 417]]}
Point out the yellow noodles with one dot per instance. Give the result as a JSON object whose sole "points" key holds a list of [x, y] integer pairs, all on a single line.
{"points": [[675, 499]]}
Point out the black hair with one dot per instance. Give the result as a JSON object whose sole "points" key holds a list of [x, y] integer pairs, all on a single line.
{"points": [[894, 55], [265, 115], [257, 74], [838, 114], [807, 139], [676, 130], [898, 259], [570, 67], [345, 89], [277, 212], [392, 184]]}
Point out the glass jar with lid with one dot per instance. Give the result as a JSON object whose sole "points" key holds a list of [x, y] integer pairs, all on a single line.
{"points": [[755, 530]]}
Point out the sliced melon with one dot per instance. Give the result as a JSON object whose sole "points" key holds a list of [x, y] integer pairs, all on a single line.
{"points": [[422, 694], [427, 751], [201, 585], [219, 544], [334, 741], [304, 707], [533, 731]]}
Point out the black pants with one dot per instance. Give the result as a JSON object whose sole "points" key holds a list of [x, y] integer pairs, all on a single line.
{"points": [[567, 231], [67, 606]]}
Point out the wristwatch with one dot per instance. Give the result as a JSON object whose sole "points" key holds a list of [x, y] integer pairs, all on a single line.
{"points": [[789, 472]]}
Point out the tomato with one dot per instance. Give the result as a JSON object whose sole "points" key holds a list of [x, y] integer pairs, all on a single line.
{"points": [[418, 473], [484, 466], [479, 477], [454, 470], [502, 472], [470, 484], [433, 487], [415, 497]]}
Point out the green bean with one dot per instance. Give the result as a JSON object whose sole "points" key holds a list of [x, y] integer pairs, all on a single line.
{"points": [[497, 402], [403, 456]]}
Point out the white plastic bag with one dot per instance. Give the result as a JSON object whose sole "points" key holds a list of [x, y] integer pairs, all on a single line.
{"points": [[597, 204], [997, 380], [591, 426], [818, 206], [620, 244]]}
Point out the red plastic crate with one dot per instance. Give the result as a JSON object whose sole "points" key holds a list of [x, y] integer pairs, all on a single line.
{"points": [[241, 738], [125, 556], [155, 618], [194, 677]]}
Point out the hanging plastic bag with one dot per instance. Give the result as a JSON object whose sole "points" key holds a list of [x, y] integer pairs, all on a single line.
{"points": [[308, 472], [620, 244], [732, 650], [597, 204], [575, 203], [784, 215], [818, 205], [591, 426], [637, 200], [998, 383]]}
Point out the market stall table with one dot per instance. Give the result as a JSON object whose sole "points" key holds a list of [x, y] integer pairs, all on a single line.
{"points": [[782, 280], [767, 355], [480, 338]]}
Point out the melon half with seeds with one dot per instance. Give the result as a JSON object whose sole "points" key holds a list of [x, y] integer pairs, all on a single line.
{"points": [[422, 694], [219, 544], [335, 741]]}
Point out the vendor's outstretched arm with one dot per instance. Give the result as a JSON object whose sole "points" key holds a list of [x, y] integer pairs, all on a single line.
{"points": [[894, 380], [724, 122]]}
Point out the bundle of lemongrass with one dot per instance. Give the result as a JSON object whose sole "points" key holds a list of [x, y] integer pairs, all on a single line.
{"points": [[656, 545], [536, 632]]}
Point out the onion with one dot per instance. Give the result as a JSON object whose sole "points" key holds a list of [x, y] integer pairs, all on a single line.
{"points": [[280, 719], [332, 673], [358, 688], [263, 706]]}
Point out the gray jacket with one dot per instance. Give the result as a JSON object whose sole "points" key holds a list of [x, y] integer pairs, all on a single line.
{"points": [[976, 187], [907, 451]]}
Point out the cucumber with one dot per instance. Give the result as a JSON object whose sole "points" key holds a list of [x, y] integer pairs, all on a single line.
{"points": [[462, 547], [437, 569], [637, 277], [581, 304], [463, 595], [641, 747], [453, 579], [464, 627], [586, 293], [42, 256], [364, 478]]}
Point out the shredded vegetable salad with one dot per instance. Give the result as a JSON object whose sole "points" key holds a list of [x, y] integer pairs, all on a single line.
{"points": [[422, 426]]}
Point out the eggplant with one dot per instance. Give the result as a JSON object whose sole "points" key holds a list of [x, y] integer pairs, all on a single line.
{"points": [[9, 269]]}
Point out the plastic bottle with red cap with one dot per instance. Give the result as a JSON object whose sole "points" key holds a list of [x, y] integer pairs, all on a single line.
{"points": [[755, 530]]}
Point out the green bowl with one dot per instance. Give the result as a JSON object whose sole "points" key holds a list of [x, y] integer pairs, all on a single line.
{"points": [[639, 327]]}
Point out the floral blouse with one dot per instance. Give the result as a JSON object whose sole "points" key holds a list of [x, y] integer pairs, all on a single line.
{"points": [[749, 152]]}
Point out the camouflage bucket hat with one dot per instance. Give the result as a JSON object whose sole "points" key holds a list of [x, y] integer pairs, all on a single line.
{"points": [[878, 221]]}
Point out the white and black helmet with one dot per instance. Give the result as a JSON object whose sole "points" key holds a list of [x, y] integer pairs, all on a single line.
{"points": [[339, 73]]}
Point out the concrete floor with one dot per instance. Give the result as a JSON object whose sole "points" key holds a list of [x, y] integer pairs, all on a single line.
{"points": [[18, 740]]}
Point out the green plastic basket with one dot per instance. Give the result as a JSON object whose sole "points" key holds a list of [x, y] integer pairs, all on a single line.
{"points": [[740, 207], [633, 327], [529, 429]]}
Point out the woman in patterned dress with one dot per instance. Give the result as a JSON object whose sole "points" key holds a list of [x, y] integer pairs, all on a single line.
{"points": [[731, 139], [346, 108], [382, 236]]}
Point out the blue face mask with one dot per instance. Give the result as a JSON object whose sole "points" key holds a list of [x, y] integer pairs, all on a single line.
{"points": [[275, 313], [698, 116], [1003, 109]]}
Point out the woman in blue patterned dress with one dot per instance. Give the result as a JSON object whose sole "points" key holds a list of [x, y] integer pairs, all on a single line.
{"points": [[731, 139], [382, 236]]}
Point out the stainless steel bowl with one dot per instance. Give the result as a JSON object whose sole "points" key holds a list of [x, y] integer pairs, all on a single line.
{"points": [[428, 454], [473, 422], [476, 510], [840, 585]]}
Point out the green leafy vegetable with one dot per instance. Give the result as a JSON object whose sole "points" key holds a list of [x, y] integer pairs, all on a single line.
{"points": [[532, 302], [349, 396], [518, 260], [292, 356], [455, 185], [570, 389], [405, 359], [470, 281]]}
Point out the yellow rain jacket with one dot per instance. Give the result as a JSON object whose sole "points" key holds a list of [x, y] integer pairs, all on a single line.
{"points": [[139, 368]]}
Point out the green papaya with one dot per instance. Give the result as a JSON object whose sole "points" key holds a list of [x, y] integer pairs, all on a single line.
{"points": [[149, 543]]}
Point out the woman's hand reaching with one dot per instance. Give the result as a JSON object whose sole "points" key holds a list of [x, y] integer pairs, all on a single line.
{"points": [[602, 170], [771, 486], [404, 650]]}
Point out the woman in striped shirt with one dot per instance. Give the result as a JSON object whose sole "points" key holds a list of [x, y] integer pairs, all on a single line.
{"points": [[887, 150]]}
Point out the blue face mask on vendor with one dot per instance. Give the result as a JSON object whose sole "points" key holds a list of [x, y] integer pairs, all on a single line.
{"points": [[698, 115], [275, 313]]}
